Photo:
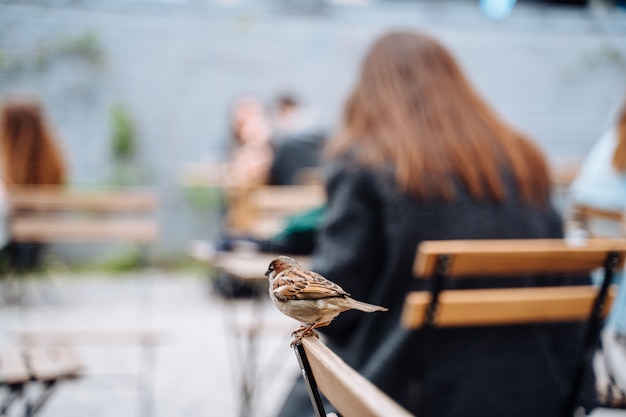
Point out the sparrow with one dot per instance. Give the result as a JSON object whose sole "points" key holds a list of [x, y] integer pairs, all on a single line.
{"points": [[308, 297]]}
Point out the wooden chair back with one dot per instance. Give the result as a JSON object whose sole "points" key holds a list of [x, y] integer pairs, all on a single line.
{"points": [[465, 259], [58, 215], [262, 211], [613, 222], [348, 391], [479, 258]]}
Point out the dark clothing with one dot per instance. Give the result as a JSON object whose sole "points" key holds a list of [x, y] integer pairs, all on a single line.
{"points": [[22, 257], [292, 154], [368, 246]]}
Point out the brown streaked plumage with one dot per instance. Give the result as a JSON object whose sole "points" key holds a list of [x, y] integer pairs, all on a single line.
{"points": [[308, 297]]}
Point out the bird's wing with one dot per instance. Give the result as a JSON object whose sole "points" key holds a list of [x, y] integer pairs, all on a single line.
{"points": [[296, 284]]}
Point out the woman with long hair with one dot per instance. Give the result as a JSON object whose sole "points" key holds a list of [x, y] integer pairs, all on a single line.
{"points": [[421, 156], [601, 184], [29, 151], [29, 156]]}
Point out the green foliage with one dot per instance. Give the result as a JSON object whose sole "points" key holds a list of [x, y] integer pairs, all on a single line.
{"points": [[124, 259], [605, 54], [84, 46], [202, 198], [123, 138]]}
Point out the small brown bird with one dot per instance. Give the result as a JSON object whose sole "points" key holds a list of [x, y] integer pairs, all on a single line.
{"points": [[309, 297]]}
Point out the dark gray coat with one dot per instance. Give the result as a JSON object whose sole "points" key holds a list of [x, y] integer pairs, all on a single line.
{"points": [[368, 246]]}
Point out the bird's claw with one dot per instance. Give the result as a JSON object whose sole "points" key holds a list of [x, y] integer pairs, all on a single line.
{"points": [[298, 331], [301, 333]]}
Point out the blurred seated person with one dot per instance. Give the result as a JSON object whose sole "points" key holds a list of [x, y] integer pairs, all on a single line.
{"points": [[4, 217], [601, 184], [30, 156], [298, 143], [251, 150], [250, 155], [420, 156], [601, 181], [254, 161]]}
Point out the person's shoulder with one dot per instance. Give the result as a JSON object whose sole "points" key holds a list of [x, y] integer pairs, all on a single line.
{"points": [[349, 168]]}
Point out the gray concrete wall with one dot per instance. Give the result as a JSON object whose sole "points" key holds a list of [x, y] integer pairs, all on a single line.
{"points": [[556, 73]]}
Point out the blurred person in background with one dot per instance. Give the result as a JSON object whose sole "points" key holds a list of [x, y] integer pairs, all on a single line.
{"points": [[601, 184], [268, 150], [251, 151], [298, 142], [420, 156], [30, 156]]}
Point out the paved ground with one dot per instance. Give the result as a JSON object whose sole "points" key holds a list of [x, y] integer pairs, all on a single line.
{"points": [[196, 366]]}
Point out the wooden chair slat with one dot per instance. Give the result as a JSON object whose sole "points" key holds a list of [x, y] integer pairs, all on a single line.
{"points": [[69, 230], [261, 211], [44, 198], [12, 367], [485, 307], [42, 364], [48, 363], [288, 198], [61, 338], [68, 361], [499, 257], [352, 394], [589, 212]]}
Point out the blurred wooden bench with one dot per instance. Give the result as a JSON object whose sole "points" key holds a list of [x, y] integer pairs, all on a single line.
{"points": [[52, 215], [144, 339], [57, 215], [441, 260], [262, 211], [22, 367]]}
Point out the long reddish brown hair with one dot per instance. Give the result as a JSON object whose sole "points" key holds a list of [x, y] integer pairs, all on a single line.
{"points": [[619, 157], [413, 107], [29, 152]]}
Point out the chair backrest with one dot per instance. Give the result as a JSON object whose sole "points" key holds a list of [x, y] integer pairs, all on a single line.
{"points": [[464, 259], [599, 222], [479, 258], [263, 210], [348, 391], [57, 215]]}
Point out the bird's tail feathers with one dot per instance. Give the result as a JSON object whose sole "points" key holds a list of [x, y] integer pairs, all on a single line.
{"points": [[365, 307]]}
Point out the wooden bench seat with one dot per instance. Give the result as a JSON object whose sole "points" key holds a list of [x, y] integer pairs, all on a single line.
{"points": [[41, 365]]}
